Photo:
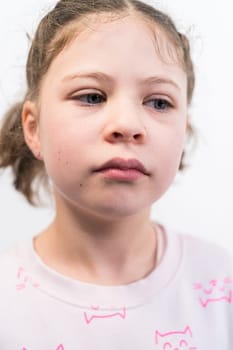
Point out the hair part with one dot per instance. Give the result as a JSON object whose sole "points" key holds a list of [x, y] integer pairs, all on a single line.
{"points": [[55, 31]]}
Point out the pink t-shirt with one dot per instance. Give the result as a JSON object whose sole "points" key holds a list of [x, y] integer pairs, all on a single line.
{"points": [[184, 304]]}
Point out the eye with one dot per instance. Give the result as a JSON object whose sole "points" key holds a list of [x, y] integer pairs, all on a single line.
{"points": [[183, 342], [197, 286], [160, 104], [167, 346], [89, 99], [213, 282], [227, 280]]}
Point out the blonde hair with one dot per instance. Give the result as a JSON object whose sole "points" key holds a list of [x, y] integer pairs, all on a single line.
{"points": [[54, 32]]}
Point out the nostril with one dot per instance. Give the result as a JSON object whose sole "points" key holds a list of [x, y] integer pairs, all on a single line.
{"points": [[137, 136], [117, 135]]}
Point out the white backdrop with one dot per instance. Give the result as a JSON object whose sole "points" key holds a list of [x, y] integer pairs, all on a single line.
{"points": [[200, 201]]}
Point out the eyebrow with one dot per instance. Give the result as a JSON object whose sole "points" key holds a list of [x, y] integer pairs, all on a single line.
{"points": [[107, 78]]}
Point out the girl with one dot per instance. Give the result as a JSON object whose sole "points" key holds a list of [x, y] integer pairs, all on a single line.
{"points": [[105, 119]]}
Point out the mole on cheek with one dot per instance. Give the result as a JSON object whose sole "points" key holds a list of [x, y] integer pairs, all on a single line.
{"points": [[59, 155]]}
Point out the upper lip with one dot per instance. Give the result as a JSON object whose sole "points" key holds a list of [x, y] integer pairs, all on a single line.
{"points": [[123, 164]]}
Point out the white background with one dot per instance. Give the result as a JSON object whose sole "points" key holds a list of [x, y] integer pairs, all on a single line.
{"points": [[200, 201]]}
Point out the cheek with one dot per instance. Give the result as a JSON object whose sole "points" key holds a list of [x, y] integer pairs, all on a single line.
{"points": [[173, 149], [167, 157], [169, 145], [61, 147]]}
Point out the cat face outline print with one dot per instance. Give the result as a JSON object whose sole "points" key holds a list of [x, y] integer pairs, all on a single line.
{"points": [[97, 313], [214, 291], [175, 340], [60, 347]]}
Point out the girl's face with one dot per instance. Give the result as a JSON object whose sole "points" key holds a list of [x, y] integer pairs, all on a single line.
{"points": [[109, 96]]}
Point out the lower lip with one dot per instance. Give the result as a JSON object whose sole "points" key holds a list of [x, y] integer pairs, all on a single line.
{"points": [[122, 175]]}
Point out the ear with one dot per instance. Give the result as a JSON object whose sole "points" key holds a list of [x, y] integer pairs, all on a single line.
{"points": [[188, 330], [30, 124], [189, 127]]}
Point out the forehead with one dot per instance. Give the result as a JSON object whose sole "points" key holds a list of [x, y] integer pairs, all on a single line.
{"points": [[127, 46]]}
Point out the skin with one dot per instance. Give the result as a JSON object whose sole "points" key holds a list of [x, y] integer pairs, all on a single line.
{"points": [[102, 232]]}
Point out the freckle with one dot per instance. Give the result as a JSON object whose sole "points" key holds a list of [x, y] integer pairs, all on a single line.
{"points": [[80, 185]]}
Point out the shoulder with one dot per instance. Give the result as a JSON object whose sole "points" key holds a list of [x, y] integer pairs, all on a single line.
{"points": [[201, 249], [205, 257]]}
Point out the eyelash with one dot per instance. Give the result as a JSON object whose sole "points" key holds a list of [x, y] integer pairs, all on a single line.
{"points": [[79, 98], [162, 101]]}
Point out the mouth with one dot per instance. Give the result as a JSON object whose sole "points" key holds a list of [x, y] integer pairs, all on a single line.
{"points": [[123, 169]]}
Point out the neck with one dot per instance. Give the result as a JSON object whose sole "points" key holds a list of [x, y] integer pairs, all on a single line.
{"points": [[99, 251]]}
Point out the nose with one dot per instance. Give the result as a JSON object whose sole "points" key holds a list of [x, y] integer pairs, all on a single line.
{"points": [[125, 124]]}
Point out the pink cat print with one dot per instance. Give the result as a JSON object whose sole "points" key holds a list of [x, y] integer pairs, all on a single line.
{"points": [[175, 340], [60, 347], [97, 312], [24, 279], [214, 291]]}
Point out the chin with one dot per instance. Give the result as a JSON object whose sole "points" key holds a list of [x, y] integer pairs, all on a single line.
{"points": [[110, 207], [118, 211]]}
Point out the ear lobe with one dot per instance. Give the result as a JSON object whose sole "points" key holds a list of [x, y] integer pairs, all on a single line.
{"points": [[30, 124], [189, 127]]}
